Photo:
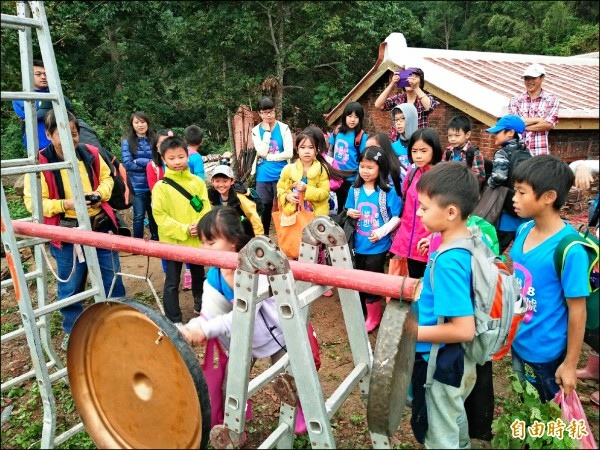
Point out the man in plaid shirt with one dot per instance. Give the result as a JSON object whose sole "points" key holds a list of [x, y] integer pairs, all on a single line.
{"points": [[424, 103], [538, 108]]}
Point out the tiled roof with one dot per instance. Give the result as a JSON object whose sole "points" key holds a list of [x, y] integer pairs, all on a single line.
{"points": [[486, 81]]}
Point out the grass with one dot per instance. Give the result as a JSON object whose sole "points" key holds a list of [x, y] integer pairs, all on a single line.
{"points": [[17, 209]]}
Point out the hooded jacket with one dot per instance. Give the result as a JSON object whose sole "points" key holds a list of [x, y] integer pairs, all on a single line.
{"points": [[410, 115], [172, 211]]}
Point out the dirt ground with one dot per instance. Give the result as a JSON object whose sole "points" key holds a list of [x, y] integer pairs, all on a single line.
{"points": [[349, 423]]}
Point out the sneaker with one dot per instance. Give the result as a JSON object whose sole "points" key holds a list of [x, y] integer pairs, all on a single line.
{"points": [[187, 281], [329, 293], [65, 342]]}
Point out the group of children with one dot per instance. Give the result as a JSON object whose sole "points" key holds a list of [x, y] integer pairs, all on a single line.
{"points": [[440, 198], [400, 193]]}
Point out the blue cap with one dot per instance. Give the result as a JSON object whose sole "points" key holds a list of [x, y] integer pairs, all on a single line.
{"points": [[510, 122]]}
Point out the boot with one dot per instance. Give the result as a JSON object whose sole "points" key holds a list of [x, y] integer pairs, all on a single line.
{"points": [[249, 413], [300, 422], [373, 315], [187, 280], [590, 371]]}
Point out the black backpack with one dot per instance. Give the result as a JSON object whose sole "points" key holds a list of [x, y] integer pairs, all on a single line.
{"points": [[251, 193], [122, 194], [516, 157]]}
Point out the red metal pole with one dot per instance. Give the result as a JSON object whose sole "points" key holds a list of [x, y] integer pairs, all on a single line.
{"points": [[360, 280]]}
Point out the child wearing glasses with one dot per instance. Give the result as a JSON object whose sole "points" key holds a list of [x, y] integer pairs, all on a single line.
{"points": [[272, 140]]}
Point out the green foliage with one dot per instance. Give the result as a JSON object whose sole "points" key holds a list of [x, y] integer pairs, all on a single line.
{"points": [[17, 209], [523, 404], [196, 62]]}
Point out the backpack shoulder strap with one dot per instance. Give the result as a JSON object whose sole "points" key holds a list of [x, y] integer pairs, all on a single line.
{"points": [[177, 187], [566, 243], [411, 176], [383, 205], [358, 139]]}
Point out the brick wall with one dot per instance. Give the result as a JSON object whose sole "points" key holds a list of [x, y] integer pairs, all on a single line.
{"points": [[568, 144]]}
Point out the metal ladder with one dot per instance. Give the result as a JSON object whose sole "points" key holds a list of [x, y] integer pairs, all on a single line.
{"points": [[47, 367], [294, 376]]}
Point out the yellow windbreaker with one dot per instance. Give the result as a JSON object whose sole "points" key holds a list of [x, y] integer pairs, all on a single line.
{"points": [[317, 191]]}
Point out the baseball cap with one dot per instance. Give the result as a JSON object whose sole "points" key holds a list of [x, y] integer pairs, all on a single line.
{"points": [[510, 122], [534, 70], [222, 169]]}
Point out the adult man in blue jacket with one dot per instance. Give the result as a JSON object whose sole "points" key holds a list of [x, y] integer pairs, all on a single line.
{"points": [[40, 83]]}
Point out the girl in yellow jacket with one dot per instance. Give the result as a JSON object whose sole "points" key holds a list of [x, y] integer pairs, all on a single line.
{"points": [[308, 175], [176, 217]]}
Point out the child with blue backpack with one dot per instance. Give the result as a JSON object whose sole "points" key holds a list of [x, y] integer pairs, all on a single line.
{"points": [[346, 143], [447, 195], [547, 346], [376, 207]]}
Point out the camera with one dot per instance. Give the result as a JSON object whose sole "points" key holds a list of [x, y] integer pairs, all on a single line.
{"points": [[93, 198]]}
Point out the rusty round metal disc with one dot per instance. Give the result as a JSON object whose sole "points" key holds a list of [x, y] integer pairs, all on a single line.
{"points": [[135, 381], [393, 362]]}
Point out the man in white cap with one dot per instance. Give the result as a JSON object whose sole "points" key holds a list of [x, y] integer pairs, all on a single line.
{"points": [[538, 108]]}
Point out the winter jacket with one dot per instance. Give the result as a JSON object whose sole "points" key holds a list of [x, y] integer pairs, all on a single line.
{"points": [[501, 171], [411, 121], [317, 190], [243, 205], [411, 229], [217, 315], [136, 171], [262, 145], [172, 211]]}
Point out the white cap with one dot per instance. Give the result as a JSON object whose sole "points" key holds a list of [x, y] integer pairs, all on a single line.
{"points": [[534, 70], [223, 170]]}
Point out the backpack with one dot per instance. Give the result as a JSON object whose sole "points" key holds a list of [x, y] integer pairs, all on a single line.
{"points": [[516, 157], [590, 244], [497, 303], [122, 193], [251, 193]]}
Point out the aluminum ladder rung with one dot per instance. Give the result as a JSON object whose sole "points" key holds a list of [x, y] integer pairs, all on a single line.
{"points": [[65, 302], [17, 333], [35, 168], [28, 276], [345, 388], [69, 433], [31, 242], [19, 23], [8, 96], [17, 162], [18, 380]]}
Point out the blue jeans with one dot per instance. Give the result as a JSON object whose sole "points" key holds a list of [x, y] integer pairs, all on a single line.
{"points": [[142, 205], [540, 375], [64, 263]]}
